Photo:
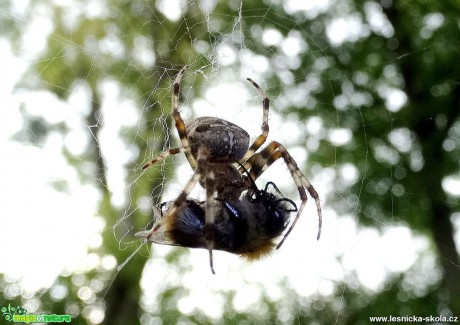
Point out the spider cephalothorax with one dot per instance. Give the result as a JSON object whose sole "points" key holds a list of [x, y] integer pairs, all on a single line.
{"points": [[226, 166]]}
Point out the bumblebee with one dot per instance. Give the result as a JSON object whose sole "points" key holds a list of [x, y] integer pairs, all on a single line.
{"points": [[248, 227]]}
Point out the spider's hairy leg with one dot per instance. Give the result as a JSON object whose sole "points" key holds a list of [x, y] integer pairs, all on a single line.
{"points": [[209, 181], [210, 217], [262, 160], [179, 122], [177, 205], [311, 190], [262, 137], [165, 154], [304, 182]]}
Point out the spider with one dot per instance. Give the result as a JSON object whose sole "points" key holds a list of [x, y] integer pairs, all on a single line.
{"points": [[225, 165]]}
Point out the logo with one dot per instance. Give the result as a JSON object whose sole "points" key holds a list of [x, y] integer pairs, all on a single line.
{"points": [[19, 315]]}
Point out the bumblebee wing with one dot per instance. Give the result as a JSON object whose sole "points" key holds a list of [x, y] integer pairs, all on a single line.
{"points": [[158, 237], [185, 228]]}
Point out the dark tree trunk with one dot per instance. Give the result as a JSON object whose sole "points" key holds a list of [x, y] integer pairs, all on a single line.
{"points": [[423, 109]]}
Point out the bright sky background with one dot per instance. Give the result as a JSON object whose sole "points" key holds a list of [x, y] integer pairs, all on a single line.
{"points": [[46, 232]]}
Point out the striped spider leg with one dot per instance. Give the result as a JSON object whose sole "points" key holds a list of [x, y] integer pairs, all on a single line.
{"points": [[262, 160]]}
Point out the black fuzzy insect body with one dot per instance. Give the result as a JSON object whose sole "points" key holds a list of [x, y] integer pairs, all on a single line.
{"points": [[247, 227]]}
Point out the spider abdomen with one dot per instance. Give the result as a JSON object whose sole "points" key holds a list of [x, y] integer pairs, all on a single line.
{"points": [[227, 142]]}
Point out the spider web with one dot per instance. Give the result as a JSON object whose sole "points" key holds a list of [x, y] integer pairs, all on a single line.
{"points": [[221, 78], [215, 86]]}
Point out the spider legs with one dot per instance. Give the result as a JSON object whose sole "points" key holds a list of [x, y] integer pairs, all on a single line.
{"points": [[262, 137], [201, 172], [209, 229], [175, 208], [262, 160], [165, 154], [259, 162], [180, 126], [179, 122]]}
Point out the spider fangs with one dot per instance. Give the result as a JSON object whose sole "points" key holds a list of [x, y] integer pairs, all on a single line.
{"points": [[226, 166]]}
